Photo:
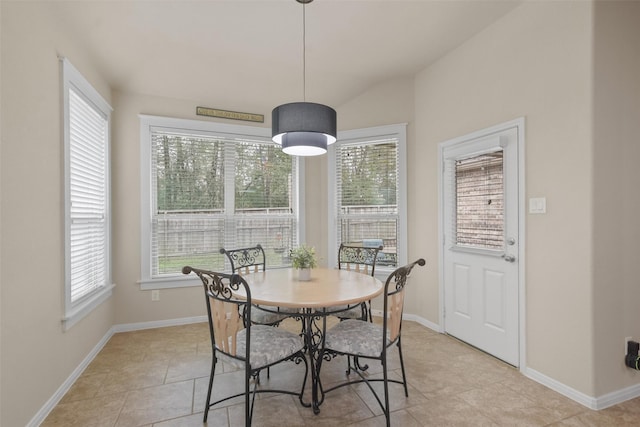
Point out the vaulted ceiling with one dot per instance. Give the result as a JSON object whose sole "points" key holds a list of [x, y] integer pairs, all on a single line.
{"points": [[216, 51]]}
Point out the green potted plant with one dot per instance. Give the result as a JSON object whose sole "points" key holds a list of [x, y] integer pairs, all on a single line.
{"points": [[303, 259]]}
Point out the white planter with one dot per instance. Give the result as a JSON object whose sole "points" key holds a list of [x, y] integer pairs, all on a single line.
{"points": [[304, 274]]}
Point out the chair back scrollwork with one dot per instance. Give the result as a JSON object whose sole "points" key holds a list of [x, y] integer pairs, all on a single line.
{"points": [[358, 258], [253, 260], [246, 260]]}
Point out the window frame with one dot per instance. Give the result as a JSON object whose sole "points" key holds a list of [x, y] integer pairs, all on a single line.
{"points": [[398, 131], [488, 145], [75, 310], [147, 124]]}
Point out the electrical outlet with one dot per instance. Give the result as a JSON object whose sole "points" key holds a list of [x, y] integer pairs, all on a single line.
{"points": [[626, 340], [155, 296]]}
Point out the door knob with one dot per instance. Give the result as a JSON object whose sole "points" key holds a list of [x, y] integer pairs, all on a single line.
{"points": [[509, 258]]}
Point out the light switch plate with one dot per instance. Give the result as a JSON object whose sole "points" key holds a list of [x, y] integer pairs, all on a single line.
{"points": [[538, 205]]}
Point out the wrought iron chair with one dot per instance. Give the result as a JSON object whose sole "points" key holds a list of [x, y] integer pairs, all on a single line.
{"points": [[242, 344], [363, 260], [362, 339], [250, 260]]}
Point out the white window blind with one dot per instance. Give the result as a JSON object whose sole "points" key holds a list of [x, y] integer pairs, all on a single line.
{"points": [[211, 188], [87, 207], [367, 194], [88, 191]]}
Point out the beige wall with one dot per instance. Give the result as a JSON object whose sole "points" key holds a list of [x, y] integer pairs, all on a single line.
{"points": [[534, 63], [616, 199], [37, 356]]}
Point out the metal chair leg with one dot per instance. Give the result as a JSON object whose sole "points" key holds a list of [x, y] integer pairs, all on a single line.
{"points": [[404, 377], [387, 410], [206, 407]]}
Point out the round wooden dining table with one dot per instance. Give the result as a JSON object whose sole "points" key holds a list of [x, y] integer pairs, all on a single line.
{"points": [[328, 292], [327, 287]]}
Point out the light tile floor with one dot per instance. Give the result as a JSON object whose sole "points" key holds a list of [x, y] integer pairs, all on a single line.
{"points": [[158, 377]]}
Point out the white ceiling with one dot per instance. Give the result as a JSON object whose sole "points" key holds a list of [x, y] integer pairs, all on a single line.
{"points": [[218, 51]]}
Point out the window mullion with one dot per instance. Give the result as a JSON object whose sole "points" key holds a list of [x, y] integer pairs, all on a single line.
{"points": [[230, 160]]}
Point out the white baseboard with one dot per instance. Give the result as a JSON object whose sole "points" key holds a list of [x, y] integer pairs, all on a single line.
{"points": [[128, 327], [571, 393], [412, 317], [595, 403], [424, 322], [40, 416], [618, 396]]}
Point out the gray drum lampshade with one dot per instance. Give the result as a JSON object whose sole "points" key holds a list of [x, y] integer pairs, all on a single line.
{"points": [[304, 128]]}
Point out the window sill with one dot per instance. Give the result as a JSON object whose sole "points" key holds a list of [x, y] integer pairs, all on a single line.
{"points": [[168, 283], [75, 314]]}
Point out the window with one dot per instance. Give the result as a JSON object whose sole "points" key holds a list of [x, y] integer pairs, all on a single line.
{"points": [[368, 187], [87, 216], [207, 186]]}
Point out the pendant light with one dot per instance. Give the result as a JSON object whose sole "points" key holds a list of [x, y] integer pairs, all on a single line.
{"points": [[303, 128]]}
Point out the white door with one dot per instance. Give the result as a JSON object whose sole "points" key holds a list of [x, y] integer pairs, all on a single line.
{"points": [[480, 213]]}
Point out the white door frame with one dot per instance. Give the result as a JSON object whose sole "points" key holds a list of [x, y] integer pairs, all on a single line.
{"points": [[519, 125]]}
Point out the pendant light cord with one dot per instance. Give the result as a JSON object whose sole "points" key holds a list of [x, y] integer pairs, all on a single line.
{"points": [[304, 53]]}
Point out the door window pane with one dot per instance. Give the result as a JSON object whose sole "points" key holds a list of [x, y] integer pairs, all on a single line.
{"points": [[479, 201]]}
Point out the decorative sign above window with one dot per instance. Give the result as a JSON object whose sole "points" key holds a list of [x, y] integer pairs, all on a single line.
{"points": [[234, 115]]}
